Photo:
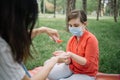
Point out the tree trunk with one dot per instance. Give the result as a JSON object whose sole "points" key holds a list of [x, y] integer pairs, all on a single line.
{"points": [[119, 7], [39, 7], [99, 9], [111, 8], [54, 8], [115, 10], [64, 7], [84, 4], [74, 1], [70, 6], [43, 6], [103, 8]]}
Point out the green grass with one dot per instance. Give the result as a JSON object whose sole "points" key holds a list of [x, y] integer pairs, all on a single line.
{"points": [[106, 31], [108, 35]]}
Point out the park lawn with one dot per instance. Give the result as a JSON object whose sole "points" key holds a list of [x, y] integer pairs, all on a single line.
{"points": [[106, 31]]}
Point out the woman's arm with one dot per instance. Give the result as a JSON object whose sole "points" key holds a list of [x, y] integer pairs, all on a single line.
{"points": [[49, 31], [42, 75], [78, 59]]}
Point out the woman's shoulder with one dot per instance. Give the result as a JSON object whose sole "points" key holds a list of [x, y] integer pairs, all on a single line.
{"points": [[3, 43], [90, 34], [8, 64], [4, 46]]}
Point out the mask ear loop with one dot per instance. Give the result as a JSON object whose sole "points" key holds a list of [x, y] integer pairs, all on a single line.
{"points": [[86, 28]]}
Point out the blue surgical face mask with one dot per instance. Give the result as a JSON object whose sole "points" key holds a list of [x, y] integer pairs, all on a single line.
{"points": [[76, 31]]}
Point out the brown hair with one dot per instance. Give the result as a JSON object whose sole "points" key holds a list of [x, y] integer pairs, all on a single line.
{"points": [[77, 14]]}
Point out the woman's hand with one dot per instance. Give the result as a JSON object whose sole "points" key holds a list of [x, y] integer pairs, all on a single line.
{"points": [[62, 54], [53, 33]]}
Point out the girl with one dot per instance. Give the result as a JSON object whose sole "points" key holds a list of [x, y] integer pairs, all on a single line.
{"points": [[82, 52]]}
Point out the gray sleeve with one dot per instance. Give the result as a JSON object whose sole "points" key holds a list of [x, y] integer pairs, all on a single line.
{"points": [[9, 69]]}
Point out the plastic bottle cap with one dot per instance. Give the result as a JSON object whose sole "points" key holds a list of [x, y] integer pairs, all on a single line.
{"points": [[59, 41]]}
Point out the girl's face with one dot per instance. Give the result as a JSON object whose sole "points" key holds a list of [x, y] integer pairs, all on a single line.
{"points": [[76, 23], [76, 27]]}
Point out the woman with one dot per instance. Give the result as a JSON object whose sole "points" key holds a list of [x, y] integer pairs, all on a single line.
{"points": [[17, 19], [82, 52]]}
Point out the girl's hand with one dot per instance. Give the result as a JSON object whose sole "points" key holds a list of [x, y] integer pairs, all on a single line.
{"points": [[57, 53], [62, 54]]}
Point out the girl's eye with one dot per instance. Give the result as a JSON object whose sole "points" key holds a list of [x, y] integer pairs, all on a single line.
{"points": [[76, 25], [70, 25]]}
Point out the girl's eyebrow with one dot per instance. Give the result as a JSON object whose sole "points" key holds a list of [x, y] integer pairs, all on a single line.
{"points": [[76, 25]]}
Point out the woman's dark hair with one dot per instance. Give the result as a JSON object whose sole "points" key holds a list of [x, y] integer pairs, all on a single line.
{"points": [[77, 14], [17, 19]]}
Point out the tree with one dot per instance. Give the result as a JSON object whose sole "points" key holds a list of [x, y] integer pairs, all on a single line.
{"points": [[84, 4], [115, 10], [69, 8], [39, 7], [64, 6], [60, 5], [91, 5], [74, 2], [99, 9], [111, 8], [43, 6], [54, 8], [118, 7], [103, 8]]}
